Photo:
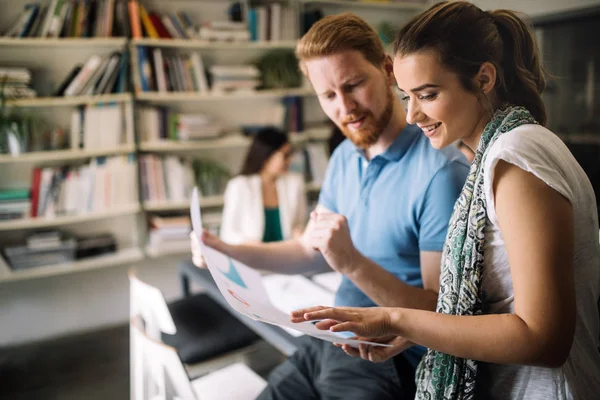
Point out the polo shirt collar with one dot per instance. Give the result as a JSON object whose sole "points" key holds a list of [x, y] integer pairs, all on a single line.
{"points": [[398, 147]]}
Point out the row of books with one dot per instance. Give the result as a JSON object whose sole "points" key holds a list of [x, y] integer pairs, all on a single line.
{"points": [[71, 18], [101, 127], [177, 25], [98, 75], [102, 184], [273, 22], [170, 72], [55, 247], [166, 178], [14, 83], [158, 123], [234, 77]]}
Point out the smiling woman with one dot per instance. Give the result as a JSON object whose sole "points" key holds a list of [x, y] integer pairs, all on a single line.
{"points": [[517, 313]]}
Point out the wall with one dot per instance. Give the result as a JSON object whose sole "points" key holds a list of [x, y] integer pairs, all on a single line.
{"points": [[54, 306]]}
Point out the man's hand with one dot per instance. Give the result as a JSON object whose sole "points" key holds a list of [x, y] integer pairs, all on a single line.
{"points": [[330, 235], [211, 241], [377, 354]]}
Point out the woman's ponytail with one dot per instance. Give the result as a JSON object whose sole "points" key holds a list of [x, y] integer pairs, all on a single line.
{"points": [[523, 76]]}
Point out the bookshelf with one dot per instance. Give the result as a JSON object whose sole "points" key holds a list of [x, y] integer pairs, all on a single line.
{"points": [[51, 59]]}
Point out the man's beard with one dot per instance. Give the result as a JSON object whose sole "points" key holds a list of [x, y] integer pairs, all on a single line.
{"points": [[372, 128]]}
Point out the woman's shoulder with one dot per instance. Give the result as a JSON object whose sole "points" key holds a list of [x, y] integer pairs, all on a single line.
{"points": [[240, 182]]}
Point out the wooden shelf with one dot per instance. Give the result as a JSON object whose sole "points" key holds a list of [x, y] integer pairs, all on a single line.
{"points": [[63, 155], [115, 42], [208, 201], [29, 223], [165, 146], [213, 45], [121, 257], [167, 97], [397, 5], [70, 100]]}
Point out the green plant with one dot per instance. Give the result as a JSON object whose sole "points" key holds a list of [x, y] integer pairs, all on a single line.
{"points": [[279, 69]]}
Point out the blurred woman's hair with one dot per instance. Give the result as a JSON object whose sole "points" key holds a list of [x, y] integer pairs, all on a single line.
{"points": [[464, 37], [264, 144]]}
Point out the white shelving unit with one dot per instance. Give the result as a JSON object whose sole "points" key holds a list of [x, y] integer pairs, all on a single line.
{"points": [[170, 97], [32, 223], [208, 201], [63, 42], [70, 101], [377, 5], [121, 257], [63, 155], [207, 45]]}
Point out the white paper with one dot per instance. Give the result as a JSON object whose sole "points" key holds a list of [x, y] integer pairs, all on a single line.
{"points": [[243, 289]]}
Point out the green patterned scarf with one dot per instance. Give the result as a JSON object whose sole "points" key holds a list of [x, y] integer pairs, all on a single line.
{"points": [[442, 376]]}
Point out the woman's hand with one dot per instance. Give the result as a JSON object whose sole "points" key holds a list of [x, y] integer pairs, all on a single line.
{"points": [[211, 241], [369, 322]]}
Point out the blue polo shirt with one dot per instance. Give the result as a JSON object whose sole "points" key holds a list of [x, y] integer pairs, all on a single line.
{"points": [[397, 205]]}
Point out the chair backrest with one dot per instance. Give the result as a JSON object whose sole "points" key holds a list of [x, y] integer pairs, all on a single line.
{"points": [[148, 302], [159, 361]]}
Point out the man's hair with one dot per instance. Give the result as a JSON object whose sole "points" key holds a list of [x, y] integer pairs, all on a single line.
{"points": [[337, 33]]}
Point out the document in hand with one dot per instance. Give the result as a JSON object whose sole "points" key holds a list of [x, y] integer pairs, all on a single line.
{"points": [[243, 289]]}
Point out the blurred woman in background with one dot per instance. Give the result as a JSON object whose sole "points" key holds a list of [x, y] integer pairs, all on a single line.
{"points": [[265, 202]]}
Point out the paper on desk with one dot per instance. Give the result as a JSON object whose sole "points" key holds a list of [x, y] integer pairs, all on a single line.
{"points": [[293, 292], [243, 289]]}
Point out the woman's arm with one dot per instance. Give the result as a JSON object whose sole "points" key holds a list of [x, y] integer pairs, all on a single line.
{"points": [[537, 226]]}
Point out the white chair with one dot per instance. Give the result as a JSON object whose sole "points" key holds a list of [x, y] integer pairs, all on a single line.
{"points": [[159, 364], [205, 334]]}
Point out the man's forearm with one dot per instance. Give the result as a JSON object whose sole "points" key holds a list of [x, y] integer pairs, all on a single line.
{"points": [[386, 290], [287, 257]]}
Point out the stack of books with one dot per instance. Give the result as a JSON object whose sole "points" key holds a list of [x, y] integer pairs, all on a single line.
{"points": [[14, 204], [41, 249], [71, 18], [224, 31], [166, 179], [53, 247], [14, 83], [99, 75], [169, 234], [170, 72], [234, 77], [104, 183]]}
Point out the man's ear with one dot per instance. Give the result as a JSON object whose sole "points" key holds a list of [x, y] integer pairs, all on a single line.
{"points": [[486, 77], [388, 69]]}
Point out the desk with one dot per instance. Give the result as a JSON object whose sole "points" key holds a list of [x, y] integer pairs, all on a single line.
{"points": [[276, 336]]}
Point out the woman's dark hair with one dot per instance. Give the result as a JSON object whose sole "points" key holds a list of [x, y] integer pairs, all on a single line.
{"points": [[266, 142], [464, 37]]}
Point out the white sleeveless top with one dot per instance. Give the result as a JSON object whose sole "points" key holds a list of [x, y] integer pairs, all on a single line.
{"points": [[537, 150]]}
